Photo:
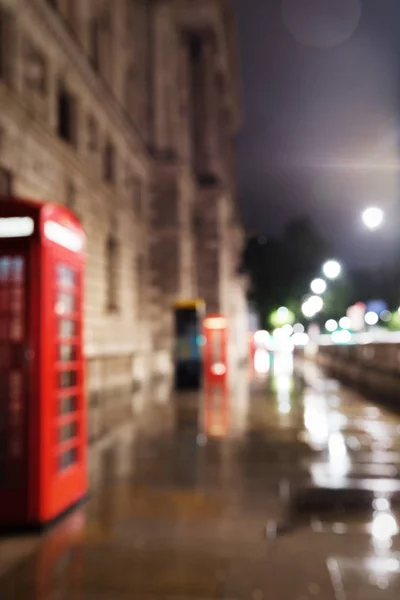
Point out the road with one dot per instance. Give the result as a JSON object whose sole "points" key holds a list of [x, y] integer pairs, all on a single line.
{"points": [[286, 489]]}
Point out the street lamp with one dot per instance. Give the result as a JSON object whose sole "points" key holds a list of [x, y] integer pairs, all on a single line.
{"points": [[373, 217], [312, 306], [331, 325], [345, 322], [332, 269], [371, 318], [318, 286], [283, 313]]}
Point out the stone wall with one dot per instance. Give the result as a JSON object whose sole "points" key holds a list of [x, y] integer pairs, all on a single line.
{"points": [[199, 156], [96, 113], [44, 58], [372, 368]]}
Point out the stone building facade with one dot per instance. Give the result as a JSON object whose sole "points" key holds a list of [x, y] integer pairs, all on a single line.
{"points": [[127, 112]]}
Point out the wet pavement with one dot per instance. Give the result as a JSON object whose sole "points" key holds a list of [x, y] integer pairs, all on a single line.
{"points": [[286, 489]]}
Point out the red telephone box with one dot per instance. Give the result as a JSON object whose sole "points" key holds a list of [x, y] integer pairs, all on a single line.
{"points": [[42, 405], [216, 348]]}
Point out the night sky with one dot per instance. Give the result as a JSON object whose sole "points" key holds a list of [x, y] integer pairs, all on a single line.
{"points": [[321, 100]]}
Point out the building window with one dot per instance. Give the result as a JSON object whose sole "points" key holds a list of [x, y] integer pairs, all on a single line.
{"points": [[5, 182], [67, 116], [3, 52], [5, 44], [35, 69], [94, 40], [112, 274], [109, 163], [70, 194], [93, 134]]}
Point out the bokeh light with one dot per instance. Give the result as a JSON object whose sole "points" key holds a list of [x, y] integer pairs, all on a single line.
{"points": [[332, 269], [331, 325], [345, 322], [298, 328], [373, 217], [300, 339], [312, 306], [287, 329], [341, 337], [385, 316], [261, 337], [318, 286], [371, 318]]}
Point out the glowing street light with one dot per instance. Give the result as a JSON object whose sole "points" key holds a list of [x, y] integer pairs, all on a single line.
{"points": [[307, 311], [318, 286], [283, 312], [312, 306], [332, 269], [281, 317], [331, 325], [371, 318], [345, 322], [341, 337], [300, 339], [385, 316], [261, 337], [373, 218], [287, 329]]}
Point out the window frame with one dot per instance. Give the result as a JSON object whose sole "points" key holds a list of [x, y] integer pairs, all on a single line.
{"points": [[110, 163], [112, 274], [64, 94]]}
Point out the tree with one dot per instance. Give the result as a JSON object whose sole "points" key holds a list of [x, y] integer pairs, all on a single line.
{"points": [[281, 268]]}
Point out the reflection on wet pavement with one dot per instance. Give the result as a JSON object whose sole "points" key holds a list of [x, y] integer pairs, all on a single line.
{"points": [[208, 483]]}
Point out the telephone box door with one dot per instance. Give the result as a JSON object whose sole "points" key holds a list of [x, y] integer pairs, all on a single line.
{"points": [[42, 409], [14, 382], [67, 475]]}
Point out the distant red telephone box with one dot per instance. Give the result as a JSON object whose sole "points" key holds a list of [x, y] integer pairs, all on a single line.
{"points": [[42, 405], [216, 348]]}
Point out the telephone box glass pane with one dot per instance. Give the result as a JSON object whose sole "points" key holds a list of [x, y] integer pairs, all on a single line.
{"points": [[13, 379], [66, 303], [68, 405], [66, 277], [68, 379], [67, 459], [216, 345], [68, 432], [67, 353], [67, 328]]}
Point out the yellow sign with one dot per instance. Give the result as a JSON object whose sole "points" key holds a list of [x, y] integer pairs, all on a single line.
{"points": [[190, 303]]}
